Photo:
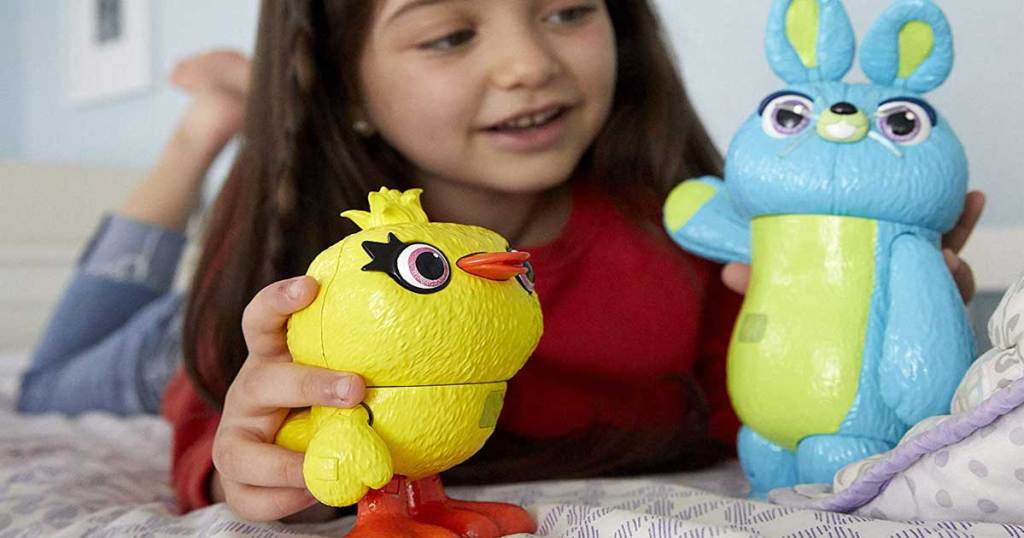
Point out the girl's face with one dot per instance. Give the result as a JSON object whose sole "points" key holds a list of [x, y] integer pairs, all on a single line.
{"points": [[504, 95]]}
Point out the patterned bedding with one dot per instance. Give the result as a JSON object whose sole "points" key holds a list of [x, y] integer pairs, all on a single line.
{"points": [[99, 475]]}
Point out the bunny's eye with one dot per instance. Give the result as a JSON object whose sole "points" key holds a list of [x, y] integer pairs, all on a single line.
{"points": [[905, 121], [785, 114]]}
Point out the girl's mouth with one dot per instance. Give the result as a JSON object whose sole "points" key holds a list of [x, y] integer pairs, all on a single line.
{"points": [[530, 121], [530, 132]]}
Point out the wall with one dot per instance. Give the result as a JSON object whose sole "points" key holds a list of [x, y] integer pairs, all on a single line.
{"points": [[11, 84], [128, 131]]}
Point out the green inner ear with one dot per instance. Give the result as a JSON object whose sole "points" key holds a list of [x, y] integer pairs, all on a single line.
{"points": [[916, 42], [802, 30]]}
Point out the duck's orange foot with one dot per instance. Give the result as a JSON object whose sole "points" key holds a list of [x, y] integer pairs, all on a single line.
{"points": [[385, 512], [429, 504], [509, 518], [396, 527]]}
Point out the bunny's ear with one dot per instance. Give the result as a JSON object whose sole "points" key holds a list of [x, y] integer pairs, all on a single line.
{"points": [[910, 46], [809, 40]]}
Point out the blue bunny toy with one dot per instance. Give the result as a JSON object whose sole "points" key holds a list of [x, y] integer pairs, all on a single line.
{"points": [[837, 194]]}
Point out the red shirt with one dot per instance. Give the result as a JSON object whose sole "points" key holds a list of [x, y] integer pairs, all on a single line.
{"points": [[635, 335]]}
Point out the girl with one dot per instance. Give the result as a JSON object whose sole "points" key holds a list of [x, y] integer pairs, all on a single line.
{"points": [[560, 124]]}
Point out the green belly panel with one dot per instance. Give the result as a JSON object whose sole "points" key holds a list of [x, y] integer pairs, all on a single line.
{"points": [[795, 355]]}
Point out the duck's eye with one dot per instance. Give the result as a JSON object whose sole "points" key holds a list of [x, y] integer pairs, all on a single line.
{"points": [[526, 280], [422, 267], [785, 114], [417, 267], [905, 122]]}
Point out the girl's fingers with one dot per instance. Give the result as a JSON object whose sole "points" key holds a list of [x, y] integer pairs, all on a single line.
{"points": [[250, 461], [736, 277], [265, 388], [266, 504], [266, 316], [962, 273], [956, 238]]}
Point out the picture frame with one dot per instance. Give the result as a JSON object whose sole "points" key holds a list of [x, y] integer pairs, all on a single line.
{"points": [[109, 49]]}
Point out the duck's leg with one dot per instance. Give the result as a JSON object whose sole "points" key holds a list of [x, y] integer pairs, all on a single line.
{"points": [[385, 512], [428, 503]]}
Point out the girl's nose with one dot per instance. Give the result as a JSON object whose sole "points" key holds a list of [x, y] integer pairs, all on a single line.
{"points": [[524, 62]]}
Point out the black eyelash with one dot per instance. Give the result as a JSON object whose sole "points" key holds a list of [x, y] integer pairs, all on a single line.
{"points": [[383, 256], [927, 108], [773, 96]]}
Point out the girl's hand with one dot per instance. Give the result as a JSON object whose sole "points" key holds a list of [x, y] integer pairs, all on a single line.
{"points": [[259, 480], [736, 276], [954, 241]]}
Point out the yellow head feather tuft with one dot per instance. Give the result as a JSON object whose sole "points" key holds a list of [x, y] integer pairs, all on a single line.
{"points": [[389, 206]]}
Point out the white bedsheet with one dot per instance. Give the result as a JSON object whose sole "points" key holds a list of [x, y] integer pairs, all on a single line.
{"points": [[99, 475]]}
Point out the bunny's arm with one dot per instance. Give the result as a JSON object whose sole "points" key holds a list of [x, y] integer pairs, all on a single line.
{"points": [[928, 345], [344, 455], [699, 216]]}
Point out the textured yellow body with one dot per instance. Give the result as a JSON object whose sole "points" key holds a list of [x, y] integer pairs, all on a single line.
{"points": [[435, 364], [427, 339], [434, 428]]}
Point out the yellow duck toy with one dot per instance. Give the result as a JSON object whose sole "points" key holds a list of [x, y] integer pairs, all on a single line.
{"points": [[436, 317]]}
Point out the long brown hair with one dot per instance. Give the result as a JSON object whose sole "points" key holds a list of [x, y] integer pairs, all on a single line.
{"points": [[301, 164]]}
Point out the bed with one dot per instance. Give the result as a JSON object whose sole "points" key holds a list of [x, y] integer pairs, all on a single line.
{"points": [[101, 475]]}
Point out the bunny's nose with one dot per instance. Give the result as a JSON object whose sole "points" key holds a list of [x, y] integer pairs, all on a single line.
{"points": [[844, 109]]}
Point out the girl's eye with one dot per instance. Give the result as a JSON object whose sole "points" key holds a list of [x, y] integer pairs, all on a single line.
{"points": [[422, 268], [904, 122], [786, 114], [450, 41], [571, 14]]}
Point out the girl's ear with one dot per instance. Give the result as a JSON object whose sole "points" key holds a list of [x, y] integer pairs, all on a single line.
{"points": [[809, 40], [910, 46]]}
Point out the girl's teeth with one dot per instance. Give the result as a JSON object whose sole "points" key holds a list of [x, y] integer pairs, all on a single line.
{"points": [[530, 121]]}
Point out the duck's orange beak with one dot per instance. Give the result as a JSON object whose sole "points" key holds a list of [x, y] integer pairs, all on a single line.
{"points": [[495, 265]]}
